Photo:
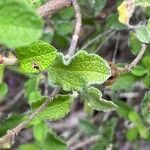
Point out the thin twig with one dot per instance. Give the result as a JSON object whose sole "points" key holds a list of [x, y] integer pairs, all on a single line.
{"points": [[12, 133], [86, 142], [75, 36], [95, 39], [12, 102], [104, 42], [116, 48], [135, 61]]}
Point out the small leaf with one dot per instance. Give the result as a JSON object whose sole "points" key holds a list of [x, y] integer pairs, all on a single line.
{"points": [[113, 23], [143, 34], [28, 147], [35, 57], [57, 109], [139, 71], [40, 131], [126, 10], [94, 99], [122, 83], [19, 23], [132, 134], [146, 61], [145, 107], [87, 127], [3, 90], [147, 81], [53, 142], [64, 28], [135, 118], [31, 85], [82, 69], [134, 43], [34, 96]]}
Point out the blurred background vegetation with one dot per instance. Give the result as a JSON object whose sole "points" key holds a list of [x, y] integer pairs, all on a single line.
{"points": [[127, 128]]}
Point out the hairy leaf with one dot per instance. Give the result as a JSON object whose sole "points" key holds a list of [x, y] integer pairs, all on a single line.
{"points": [[35, 57], [95, 100], [82, 69], [57, 109], [19, 24]]}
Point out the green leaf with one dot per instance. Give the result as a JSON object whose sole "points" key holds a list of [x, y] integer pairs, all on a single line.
{"points": [[143, 3], [19, 23], [135, 118], [98, 5], [139, 71], [147, 81], [122, 83], [34, 96], [28, 147], [10, 123], [35, 57], [40, 131], [113, 23], [143, 33], [87, 127], [31, 85], [145, 107], [146, 61], [64, 28], [1, 73], [57, 109], [3, 90], [94, 99], [134, 43], [67, 13], [132, 134], [53, 142], [81, 70]]}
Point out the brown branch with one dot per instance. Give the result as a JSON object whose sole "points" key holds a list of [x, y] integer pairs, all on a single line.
{"points": [[135, 61], [75, 36], [86, 142], [51, 7]]}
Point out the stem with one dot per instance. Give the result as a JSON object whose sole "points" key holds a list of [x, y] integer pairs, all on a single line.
{"points": [[135, 61], [75, 36]]}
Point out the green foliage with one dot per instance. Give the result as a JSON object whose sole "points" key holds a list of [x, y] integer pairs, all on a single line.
{"points": [[52, 142], [145, 107], [64, 28], [28, 147], [40, 131], [132, 134], [139, 71], [10, 122], [3, 90], [125, 111], [35, 57], [19, 23], [113, 23], [124, 84], [82, 69], [134, 43], [94, 99], [87, 127], [58, 108], [143, 33]]}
